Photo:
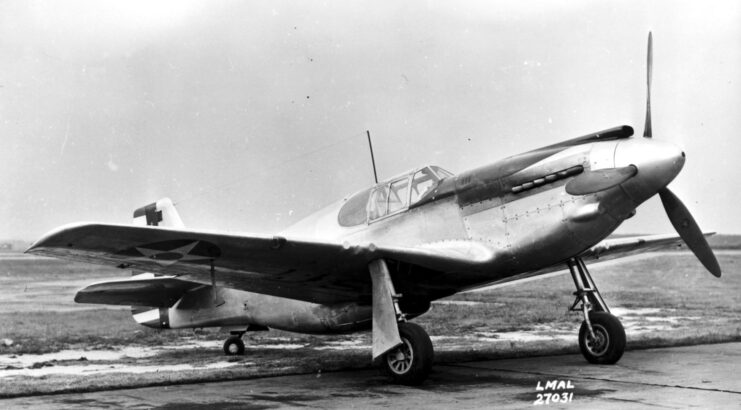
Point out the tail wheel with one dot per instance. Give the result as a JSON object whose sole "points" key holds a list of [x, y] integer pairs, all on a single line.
{"points": [[409, 363], [234, 346], [608, 343]]}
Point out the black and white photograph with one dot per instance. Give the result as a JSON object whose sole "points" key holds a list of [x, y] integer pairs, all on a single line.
{"points": [[370, 204]]}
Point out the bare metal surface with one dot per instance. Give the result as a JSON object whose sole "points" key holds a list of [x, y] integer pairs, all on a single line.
{"points": [[600, 180], [385, 329], [482, 235]]}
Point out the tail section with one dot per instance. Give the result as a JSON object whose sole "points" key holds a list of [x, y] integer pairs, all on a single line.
{"points": [[161, 213], [156, 318]]}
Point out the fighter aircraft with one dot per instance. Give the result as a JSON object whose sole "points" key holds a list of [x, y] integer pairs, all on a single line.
{"points": [[377, 258]]}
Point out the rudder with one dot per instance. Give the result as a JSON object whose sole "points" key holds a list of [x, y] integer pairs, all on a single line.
{"points": [[161, 213]]}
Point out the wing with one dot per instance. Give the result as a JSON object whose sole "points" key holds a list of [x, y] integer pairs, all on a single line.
{"points": [[606, 250], [319, 272], [622, 247], [161, 291]]}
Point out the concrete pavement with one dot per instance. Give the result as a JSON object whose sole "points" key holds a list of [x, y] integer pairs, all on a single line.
{"points": [[704, 376]]}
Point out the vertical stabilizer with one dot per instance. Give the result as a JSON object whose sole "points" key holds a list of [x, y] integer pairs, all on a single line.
{"points": [[161, 213]]}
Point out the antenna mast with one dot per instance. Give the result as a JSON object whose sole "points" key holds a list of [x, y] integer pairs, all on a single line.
{"points": [[373, 160]]}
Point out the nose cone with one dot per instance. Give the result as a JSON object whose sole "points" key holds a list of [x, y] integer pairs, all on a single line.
{"points": [[658, 162]]}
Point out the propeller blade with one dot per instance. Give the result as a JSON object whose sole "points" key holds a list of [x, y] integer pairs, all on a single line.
{"points": [[599, 180], [649, 64], [687, 228]]}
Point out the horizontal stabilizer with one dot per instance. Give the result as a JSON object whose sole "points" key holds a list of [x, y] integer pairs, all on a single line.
{"points": [[161, 291]]}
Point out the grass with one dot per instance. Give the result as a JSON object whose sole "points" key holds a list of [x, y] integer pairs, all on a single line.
{"points": [[34, 268], [46, 332], [726, 242]]}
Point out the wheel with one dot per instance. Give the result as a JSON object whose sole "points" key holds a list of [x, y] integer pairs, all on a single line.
{"points": [[234, 346], [411, 362], [608, 344]]}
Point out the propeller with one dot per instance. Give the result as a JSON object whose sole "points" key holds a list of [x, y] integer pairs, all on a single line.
{"points": [[649, 64], [687, 228], [678, 214]]}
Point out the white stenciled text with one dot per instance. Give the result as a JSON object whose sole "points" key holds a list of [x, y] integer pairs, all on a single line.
{"points": [[553, 391]]}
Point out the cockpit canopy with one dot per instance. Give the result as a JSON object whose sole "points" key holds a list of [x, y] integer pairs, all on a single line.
{"points": [[391, 196]]}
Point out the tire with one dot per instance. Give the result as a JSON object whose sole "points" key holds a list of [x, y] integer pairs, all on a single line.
{"points": [[609, 343], [411, 362], [234, 346]]}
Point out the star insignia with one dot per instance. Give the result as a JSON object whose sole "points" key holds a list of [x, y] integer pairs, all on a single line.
{"points": [[169, 257]]}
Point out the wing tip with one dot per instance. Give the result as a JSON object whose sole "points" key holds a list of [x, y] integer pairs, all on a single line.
{"points": [[48, 238], [56, 238]]}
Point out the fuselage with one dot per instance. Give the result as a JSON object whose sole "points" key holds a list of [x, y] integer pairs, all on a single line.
{"points": [[519, 208]]}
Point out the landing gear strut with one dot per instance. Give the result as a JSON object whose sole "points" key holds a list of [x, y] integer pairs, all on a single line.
{"points": [[601, 336], [234, 346], [403, 349]]}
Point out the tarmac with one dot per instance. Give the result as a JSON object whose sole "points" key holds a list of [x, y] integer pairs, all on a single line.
{"points": [[701, 376]]}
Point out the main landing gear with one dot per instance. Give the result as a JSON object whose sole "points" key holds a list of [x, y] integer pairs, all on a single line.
{"points": [[403, 349], [409, 363], [601, 336]]}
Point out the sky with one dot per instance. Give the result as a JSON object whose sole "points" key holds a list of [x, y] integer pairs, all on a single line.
{"points": [[252, 115]]}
